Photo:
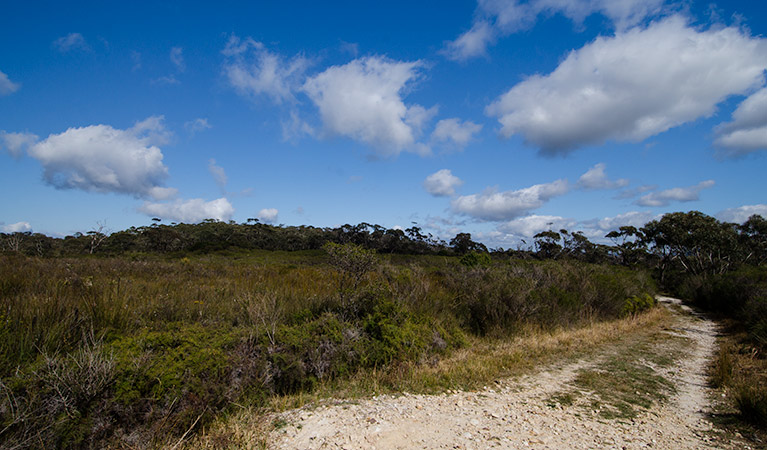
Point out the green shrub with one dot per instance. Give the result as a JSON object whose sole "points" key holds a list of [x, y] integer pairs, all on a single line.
{"points": [[637, 304], [475, 259]]}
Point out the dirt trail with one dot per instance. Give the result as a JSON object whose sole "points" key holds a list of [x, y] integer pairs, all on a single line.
{"points": [[520, 413]]}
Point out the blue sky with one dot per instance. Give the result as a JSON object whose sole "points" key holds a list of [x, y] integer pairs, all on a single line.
{"points": [[498, 118]]}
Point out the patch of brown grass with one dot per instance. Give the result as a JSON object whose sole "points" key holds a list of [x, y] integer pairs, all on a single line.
{"points": [[740, 371]]}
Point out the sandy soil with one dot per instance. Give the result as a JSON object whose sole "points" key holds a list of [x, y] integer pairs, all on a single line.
{"points": [[519, 414]]}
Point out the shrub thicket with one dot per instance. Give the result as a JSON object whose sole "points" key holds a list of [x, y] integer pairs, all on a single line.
{"points": [[127, 352]]}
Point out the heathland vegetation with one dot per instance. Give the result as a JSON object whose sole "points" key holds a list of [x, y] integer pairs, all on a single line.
{"points": [[139, 337]]}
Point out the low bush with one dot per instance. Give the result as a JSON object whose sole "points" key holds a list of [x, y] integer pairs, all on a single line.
{"points": [[637, 304], [474, 259]]}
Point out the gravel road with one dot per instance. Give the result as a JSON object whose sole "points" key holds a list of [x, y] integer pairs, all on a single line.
{"points": [[520, 414]]}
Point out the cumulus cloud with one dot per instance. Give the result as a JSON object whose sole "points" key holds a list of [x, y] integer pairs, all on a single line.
{"points": [[253, 70], [472, 43], [596, 178], [268, 215], [631, 193], [100, 158], [742, 213], [362, 100], [197, 125], [632, 218], [442, 183], [16, 143], [190, 211], [680, 194], [72, 41], [497, 18], [634, 85], [492, 205], [455, 132], [177, 58], [18, 227], [529, 226], [748, 130], [218, 173], [7, 86], [294, 127]]}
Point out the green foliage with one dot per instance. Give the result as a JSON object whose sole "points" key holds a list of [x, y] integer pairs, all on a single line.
{"points": [[184, 338], [179, 362], [637, 304], [462, 244], [548, 294], [697, 243], [739, 294], [475, 259], [547, 244]]}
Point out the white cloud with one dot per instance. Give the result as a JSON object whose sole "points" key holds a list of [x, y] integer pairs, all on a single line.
{"points": [[455, 132], [742, 213], [18, 227], [529, 226], [363, 100], [218, 173], [632, 218], [16, 143], [493, 205], [72, 41], [442, 183], [177, 58], [190, 211], [100, 158], [632, 86], [596, 178], [417, 117], [472, 43], [680, 194], [197, 125], [253, 70], [631, 193], [7, 86], [496, 18], [748, 130], [295, 127], [268, 215]]}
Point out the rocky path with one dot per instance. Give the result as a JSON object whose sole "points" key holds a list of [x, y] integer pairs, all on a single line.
{"points": [[528, 412]]}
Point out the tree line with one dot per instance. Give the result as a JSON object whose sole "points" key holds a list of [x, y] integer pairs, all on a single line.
{"points": [[691, 242]]}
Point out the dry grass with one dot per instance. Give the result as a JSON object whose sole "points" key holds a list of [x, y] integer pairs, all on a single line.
{"points": [[740, 372], [245, 429]]}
